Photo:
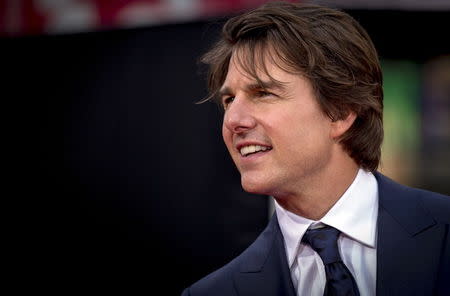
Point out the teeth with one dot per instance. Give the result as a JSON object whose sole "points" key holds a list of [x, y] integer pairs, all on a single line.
{"points": [[246, 150]]}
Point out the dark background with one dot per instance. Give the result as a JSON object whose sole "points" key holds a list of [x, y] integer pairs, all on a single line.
{"points": [[123, 182]]}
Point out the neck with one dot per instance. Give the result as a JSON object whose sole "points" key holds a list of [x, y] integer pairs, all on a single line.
{"points": [[316, 195]]}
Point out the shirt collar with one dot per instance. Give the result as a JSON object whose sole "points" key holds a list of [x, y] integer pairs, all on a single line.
{"points": [[293, 227], [354, 214]]}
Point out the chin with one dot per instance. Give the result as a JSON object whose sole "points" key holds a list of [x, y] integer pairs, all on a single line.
{"points": [[255, 185]]}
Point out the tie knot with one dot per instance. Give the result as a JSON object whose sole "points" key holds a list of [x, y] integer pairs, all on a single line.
{"points": [[324, 242]]}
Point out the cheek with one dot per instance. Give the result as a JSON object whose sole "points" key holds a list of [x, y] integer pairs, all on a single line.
{"points": [[227, 137], [298, 135]]}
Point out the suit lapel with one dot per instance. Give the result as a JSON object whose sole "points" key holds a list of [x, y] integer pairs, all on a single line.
{"points": [[406, 250], [265, 269]]}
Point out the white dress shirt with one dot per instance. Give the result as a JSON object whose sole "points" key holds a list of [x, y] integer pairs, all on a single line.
{"points": [[355, 215]]}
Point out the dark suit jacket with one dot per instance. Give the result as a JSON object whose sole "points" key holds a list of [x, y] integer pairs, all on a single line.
{"points": [[413, 251]]}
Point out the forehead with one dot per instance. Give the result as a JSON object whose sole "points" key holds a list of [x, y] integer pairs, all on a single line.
{"points": [[244, 69], [260, 66]]}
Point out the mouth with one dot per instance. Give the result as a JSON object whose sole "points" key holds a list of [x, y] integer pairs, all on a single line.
{"points": [[248, 150]]}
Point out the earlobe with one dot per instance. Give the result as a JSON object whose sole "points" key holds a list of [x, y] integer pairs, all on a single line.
{"points": [[339, 127]]}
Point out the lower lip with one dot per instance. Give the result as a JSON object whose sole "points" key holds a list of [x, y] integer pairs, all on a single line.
{"points": [[253, 157]]}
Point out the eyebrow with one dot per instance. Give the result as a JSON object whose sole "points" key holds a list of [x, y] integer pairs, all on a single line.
{"points": [[226, 91]]}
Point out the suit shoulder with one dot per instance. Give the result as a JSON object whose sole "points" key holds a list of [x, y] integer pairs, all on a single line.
{"points": [[435, 204], [219, 282], [438, 205]]}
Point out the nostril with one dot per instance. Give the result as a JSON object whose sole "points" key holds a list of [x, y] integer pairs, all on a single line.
{"points": [[241, 129], [239, 123], [238, 116]]}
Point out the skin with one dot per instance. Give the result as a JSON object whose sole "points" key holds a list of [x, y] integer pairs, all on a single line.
{"points": [[306, 170]]}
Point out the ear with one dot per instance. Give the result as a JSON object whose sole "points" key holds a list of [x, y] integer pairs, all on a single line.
{"points": [[339, 127]]}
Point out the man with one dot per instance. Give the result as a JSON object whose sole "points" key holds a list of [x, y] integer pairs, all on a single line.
{"points": [[301, 87]]}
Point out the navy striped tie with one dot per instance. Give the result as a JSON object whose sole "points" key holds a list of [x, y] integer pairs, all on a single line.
{"points": [[340, 281]]}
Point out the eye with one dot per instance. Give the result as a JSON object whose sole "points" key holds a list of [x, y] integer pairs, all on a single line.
{"points": [[263, 93], [226, 101]]}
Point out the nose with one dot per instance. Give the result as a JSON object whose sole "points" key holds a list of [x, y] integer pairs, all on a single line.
{"points": [[239, 117]]}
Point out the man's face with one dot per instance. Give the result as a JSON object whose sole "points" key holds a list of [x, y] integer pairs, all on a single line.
{"points": [[286, 127]]}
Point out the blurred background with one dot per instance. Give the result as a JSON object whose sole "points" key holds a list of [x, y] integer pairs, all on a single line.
{"points": [[121, 183]]}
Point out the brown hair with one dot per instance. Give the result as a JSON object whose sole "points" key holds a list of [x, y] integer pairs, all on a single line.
{"points": [[325, 45]]}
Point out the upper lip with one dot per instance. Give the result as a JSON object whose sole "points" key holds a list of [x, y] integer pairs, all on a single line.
{"points": [[248, 143]]}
